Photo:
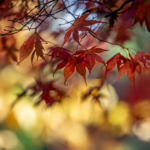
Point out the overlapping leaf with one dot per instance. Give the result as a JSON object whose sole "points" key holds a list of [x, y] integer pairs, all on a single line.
{"points": [[34, 41], [130, 67], [141, 61], [69, 67], [60, 52], [80, 60], [90, 57], [80, 24], [115, 60], [142, 13]]}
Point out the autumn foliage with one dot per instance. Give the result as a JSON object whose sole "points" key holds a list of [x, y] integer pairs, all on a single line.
{"points": [[87, 40]]}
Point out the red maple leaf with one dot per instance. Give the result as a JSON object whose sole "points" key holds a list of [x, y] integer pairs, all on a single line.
{"points": [[115, 60], [130, 66], [50, 93], [143, 60], [90, 57], [60, 52], [80, 60], [69, 67], [124, 65], [142, 13], [80, 24], [27, 47]]}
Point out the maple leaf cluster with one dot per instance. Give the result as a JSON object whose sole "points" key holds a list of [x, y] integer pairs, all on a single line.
{"points": [[80, 60], [141, 61], [80, 24], [142, 13], [33, 42], [98, 21], [83, 59]]}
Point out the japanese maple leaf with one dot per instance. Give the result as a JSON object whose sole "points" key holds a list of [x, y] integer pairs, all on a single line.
{"points": [[142, 13], [115, 60], [87, 59], [34, 41], [80, 24], [143, 59], [69, 67], [130, 67], [50, 93], [79, 61], [124, 65], [60, 52], [67, 61]]}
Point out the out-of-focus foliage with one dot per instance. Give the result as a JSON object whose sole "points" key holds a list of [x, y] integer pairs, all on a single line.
{"points": [[39, 112], [74, 124]]}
